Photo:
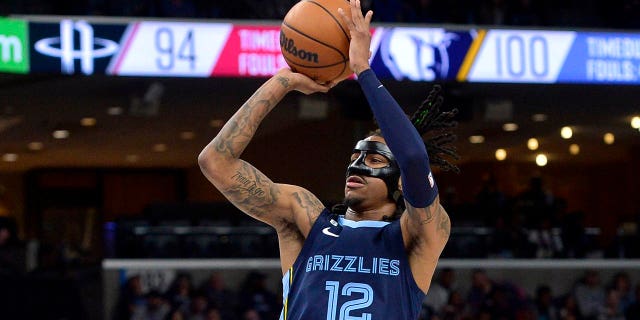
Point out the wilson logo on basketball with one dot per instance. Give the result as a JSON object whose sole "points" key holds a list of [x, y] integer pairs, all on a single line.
{"points": [[289, 46]]}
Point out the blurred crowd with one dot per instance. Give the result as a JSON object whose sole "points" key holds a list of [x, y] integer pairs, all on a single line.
{"points": [[589, 298], [211, 300], [533, 223], [492, 223], [554, 13]]}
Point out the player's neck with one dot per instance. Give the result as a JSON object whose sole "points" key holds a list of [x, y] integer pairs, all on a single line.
{"points": [[375, 214]]}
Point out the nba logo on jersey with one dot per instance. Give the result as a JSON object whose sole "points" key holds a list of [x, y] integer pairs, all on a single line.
{"points": [[431, 182]]}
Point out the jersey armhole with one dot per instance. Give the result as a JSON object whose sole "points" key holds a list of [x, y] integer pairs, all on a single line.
{"points": [[315, 229], [406, 264]]}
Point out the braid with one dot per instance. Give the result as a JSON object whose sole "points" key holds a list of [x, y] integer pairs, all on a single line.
{"points": [[435, 128]]}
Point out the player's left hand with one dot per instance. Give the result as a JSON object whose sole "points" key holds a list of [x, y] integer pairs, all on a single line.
{"points": [[359, 48]]}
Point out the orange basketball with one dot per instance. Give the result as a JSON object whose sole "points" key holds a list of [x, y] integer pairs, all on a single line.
{"points": [[315, 41]]}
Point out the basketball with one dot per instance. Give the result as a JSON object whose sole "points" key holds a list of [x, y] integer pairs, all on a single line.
{"points": [[315, 41]]}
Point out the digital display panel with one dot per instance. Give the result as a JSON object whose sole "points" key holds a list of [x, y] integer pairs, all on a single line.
{"points": [[537, 56], [14, 46], [202, 49]]}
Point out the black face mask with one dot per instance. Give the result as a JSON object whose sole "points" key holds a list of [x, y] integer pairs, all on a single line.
{"points": [[389, 174]]}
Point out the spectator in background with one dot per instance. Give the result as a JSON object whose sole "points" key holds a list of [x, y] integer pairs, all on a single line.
{"points": [[213, 314], [255, 295], [12, 251], [534, 204], [544, 304], [131, 300], [456, 307], [198, 307], [633, 311], [506, 301], [480, 291], [219, 296], [611, 310], [490, 201], [176, 315], [569, 309], [180, 291], [156, 308], [510, 239], [439, 292], [590, 295], [250, 314], [622, 284]]}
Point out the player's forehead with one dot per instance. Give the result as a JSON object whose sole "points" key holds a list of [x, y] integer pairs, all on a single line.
{"points": [[374, 144], [376, 139]]}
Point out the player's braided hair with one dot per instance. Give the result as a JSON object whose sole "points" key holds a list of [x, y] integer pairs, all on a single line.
{"points": [[435, 128]]}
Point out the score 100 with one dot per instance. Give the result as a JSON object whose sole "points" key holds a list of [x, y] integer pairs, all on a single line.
{"points": [[518, 57]]}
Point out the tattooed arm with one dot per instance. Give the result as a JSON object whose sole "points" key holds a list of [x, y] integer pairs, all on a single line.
{"points": [[289, 209], [425, 232]]}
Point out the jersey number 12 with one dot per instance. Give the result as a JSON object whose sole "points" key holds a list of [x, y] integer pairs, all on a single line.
{"points": [[345, 309]]}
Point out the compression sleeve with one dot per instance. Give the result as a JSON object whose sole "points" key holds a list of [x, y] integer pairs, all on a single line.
{"points": [[419, 188]]}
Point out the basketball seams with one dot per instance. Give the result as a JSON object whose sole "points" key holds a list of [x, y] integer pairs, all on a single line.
{"points": [[344, 58], [343, 62], [300, 35], [316, 67], [346, 34]]}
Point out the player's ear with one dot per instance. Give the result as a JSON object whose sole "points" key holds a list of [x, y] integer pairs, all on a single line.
{"points": [[400, 184]]}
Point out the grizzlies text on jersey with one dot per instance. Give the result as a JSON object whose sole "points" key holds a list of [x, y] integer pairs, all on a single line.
{"points": [[350, 270]]}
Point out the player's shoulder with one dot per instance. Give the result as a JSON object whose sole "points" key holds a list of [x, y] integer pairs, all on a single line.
{"points": [[301, 197], [306, 207]]}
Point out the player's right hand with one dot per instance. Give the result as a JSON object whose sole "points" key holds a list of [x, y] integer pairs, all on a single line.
{"points": [[304, 84]]}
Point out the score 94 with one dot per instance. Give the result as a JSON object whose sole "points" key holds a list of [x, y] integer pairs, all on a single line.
{"points": [[173, 47]]}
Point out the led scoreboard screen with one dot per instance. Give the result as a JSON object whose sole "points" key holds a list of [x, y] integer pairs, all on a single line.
{"points": [[536, 56], [151, 48], [198, 50], [14, 46], [203, 49]]}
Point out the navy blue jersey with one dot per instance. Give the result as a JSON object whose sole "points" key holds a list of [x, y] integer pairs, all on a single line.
{"points": [[350, 270]]}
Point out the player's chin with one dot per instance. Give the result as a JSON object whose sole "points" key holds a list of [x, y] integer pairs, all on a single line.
{"points": [[352, 196]]}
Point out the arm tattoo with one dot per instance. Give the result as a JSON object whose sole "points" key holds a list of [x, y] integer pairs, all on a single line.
{"points": [[251, 191], [428, 216], [444, 224], [283, 81], [310, 204], [235, 136]]}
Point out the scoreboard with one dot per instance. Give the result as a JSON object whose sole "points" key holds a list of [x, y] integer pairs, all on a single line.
{"points": [[216, 49]]}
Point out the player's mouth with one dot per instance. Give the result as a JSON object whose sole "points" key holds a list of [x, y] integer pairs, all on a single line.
{"points": [[355, 182]]}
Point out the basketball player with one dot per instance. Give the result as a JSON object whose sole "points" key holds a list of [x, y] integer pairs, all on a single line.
{"points": [[374, 260]]}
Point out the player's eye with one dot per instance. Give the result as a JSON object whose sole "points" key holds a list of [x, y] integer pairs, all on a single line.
{"points": [[376, 161]]}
